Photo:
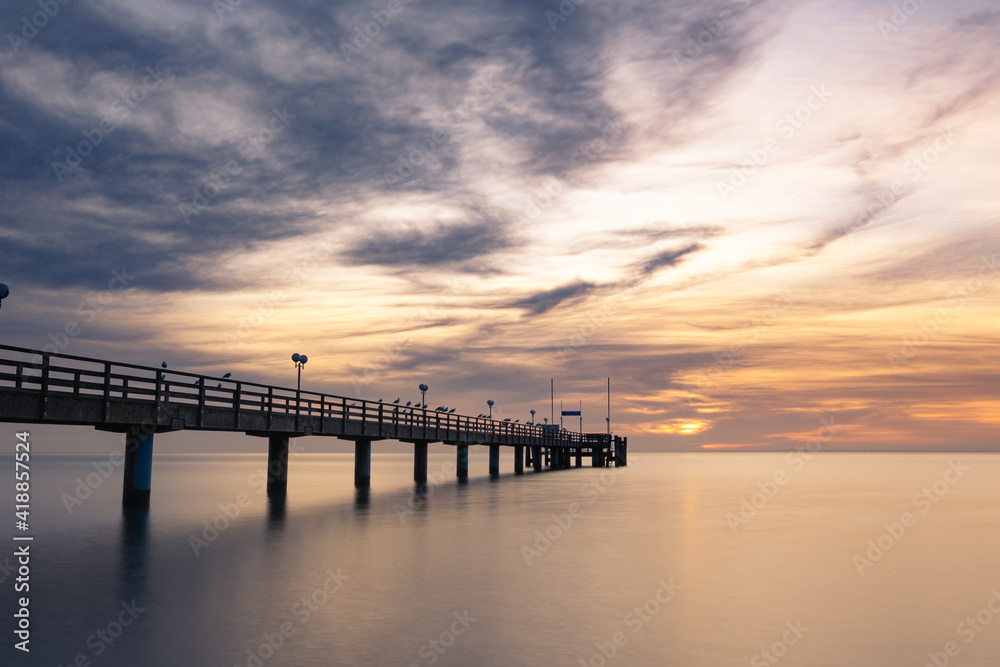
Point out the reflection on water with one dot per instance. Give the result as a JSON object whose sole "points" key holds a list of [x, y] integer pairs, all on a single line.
{"points": [[676, 560]]}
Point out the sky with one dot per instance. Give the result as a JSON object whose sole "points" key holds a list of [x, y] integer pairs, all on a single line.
{"points": [[772, 225]]}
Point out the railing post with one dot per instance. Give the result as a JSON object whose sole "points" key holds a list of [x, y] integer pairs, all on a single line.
{"points": [[45, 385], [107, 391], [381, 431], [322, 410], [270, 405], [201, 402], [237, 402], [157, 398]]}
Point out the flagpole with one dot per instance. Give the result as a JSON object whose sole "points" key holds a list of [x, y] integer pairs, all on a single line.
{"points": [[581, 415], [609, 406]]}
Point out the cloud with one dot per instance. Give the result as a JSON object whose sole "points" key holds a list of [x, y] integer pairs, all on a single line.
{"points": [[542, 302], [457, 247]]}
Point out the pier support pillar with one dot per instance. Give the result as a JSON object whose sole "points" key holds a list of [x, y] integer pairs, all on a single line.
{"points": [[494, 460], [420, 462], [621, 447], [138, 470], [597, 456], [536, 458], [362, 463], [518, 459], [463, 461], [579, 457], [277, 466]]}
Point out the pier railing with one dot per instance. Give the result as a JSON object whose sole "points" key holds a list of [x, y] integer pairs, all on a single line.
{"points": [[49, 374]]}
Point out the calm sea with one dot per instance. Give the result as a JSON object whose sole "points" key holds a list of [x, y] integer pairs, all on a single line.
{"points": [[702, 559]]}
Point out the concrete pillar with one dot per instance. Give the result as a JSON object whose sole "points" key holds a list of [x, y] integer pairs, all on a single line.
{"points": [[536, 458], [277, 466], [362, 463], [494, 460], [528, 456], [579, 457], [463, 461], [623, 461], [138, 470], [519, 459], [420, 462], [597, 458]]}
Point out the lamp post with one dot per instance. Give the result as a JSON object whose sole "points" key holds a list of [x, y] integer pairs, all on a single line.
{"points": [[423, 394], [532, 417], [4, 293], [300, 361], [490, 403]]}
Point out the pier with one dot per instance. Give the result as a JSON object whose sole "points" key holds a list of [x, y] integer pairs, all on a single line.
{"points": [[141, 401]]}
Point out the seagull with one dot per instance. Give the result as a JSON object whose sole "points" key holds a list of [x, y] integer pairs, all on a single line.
{"points": [[226, 377], [164, 364], [396, 401], [507, 419], [197, 382], [517, 421], [219, 386], [408, 403], [380, 400], [452, 410], [163, 376]]}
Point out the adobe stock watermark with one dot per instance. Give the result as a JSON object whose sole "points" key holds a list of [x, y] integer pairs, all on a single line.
{"points": [[433, 649], [566, 9], [588, 151], [30, 27], [418, 499], [88, 310], [580, 334], [967, 630], [714, 27], [772, 654], [900, 15], [418, 153], [363, 35], [249, 149], [751, 332], [590, 492], [392, 351], [786, 127], [230, 512], [317, 253], [929, 328], [121, 109], [86, 486], [914, 168], [923, 501], [302, 611], [105, 636], [796, 460], [635, 620]]}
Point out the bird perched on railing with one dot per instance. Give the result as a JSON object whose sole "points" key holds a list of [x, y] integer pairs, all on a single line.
{"points": [[451, 411], [396, 401], [226, 376]]}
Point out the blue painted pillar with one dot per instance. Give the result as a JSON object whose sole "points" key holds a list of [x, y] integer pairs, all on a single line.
{"points": [[463, 461], [138, 470], [494, 460], [277, 466], [518, 459], [362, 463]]}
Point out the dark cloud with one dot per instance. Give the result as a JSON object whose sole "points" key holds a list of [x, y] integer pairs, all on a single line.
{"points": [[449, 247], [541, 302], [667, 258]]}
